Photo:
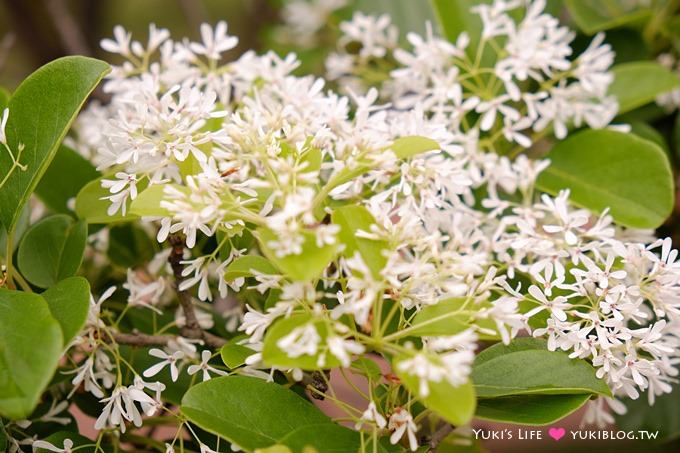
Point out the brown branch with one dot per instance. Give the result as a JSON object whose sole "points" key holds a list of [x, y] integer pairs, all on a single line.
{"points": [[191, 328], [141, 339], [438, 436]]}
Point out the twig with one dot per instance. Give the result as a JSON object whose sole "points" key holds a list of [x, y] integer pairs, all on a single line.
{"points": [[141, 339], [438, 437], [191, 328]]}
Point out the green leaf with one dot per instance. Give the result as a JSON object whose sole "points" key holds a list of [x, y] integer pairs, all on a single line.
{"points": [[663, 416], [91, 207], [234, 355], [604, 168], [352, 219], [456, 405], [55, 189], [273, 355], [405, 147], [248, 411], [308, 265], [41, 112], [647, 132], [30, 347], [245, 265], [637, 83], [4, 101], [530, 409], [456, 17], [443, 318], [325, 437], [596, 15], [52, 250], [69, 302], [148, 203], [526, 367]]}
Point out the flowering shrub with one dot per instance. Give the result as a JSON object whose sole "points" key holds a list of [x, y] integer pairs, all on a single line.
{"points": [[454, 228]]}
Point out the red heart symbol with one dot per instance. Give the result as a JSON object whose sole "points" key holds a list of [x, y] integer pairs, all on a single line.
{"points": [[556, 433]]}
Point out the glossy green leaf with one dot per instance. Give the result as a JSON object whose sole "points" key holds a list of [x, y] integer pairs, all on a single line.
{"points": [[443, 318], [308, 265], [234, 355], [526, 367], [608, 169], [91, 207], [456, 405], [30, 347], [351, 219], [245, 265], [647, 132], [69, 302], [273, 355], [592, 16], [637, 83], [41, 111], [248, 411], [66, 175], [324, 437], [530, 409], [52, 250], [663, 416]]}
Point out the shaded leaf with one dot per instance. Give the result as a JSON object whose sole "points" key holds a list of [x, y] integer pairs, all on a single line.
{"points": [[52, 250], [31, 344]]}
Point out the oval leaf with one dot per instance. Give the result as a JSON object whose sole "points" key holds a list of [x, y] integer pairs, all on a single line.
{"points": [[530, 409], [526, 367], [245, 265], [69, 302], [248, 411], [41, 112], [52, 250], [637, 83], [443, 318], [30, 347], [608, 169]]}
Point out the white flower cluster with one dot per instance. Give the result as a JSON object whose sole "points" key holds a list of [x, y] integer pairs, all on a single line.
{"points": [[246, 142], [533, 85]]}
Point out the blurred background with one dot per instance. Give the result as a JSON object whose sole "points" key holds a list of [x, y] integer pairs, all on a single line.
{"points": [[33, 32]]}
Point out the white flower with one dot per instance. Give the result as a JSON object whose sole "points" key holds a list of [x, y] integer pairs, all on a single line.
{"points": [[401, 422], [203, 366], [3, 124], [303, 340], [371, 415], [67, 446], [343, 348], [167, 360], [215, 42]]}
